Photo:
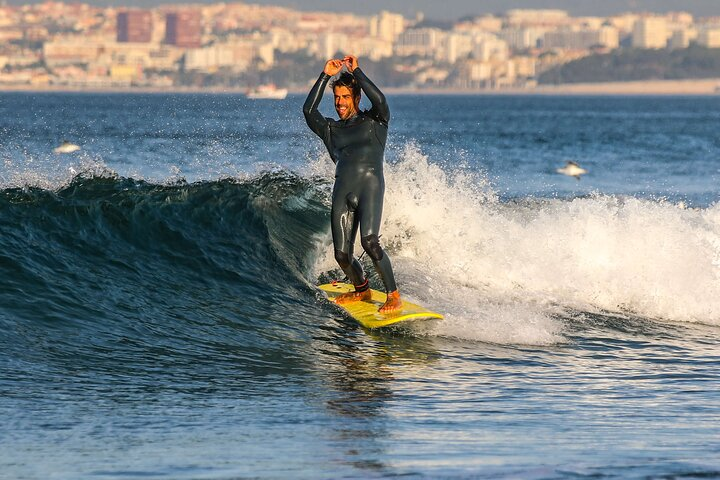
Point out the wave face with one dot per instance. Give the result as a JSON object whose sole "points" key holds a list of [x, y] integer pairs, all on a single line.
{"points": [[118, 258], [135, 271]]}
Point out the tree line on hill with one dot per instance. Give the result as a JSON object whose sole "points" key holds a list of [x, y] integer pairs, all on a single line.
{"points": [[635, 64]]}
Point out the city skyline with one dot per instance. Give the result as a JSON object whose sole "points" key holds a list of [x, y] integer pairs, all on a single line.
{"points": [[239, 45], [452, 9]]}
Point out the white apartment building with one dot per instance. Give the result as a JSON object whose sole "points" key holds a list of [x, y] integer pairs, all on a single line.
{"points": [[491, 49], [20, 58], [582, 39], [329, 43], [455, 46], [681, 38], [479, 71], [537, 17], [522, 38], [387, 26], [72, 50], [709, 37], [7, 19], [489, 23], [505, 74], [159, 22], [285, 40], [209, 58], [459, 45], [370, 47], [138, 54], [624, 23], [484, 23], [419, 41], [236, 54], [432, 76], [650, 32], [493, 74], [590, 23], [525, 66], [680, 19], [8, 34]]}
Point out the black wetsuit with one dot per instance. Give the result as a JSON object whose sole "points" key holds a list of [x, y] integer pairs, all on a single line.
{"points": [[356, 145]]}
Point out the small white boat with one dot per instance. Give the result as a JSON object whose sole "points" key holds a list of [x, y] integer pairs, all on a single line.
{"points": [[267, 92], [66, 147]]}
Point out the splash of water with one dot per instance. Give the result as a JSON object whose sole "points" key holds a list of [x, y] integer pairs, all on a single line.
{"points": [[506, 271]]}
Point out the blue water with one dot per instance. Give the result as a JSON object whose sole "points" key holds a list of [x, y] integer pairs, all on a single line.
{"points": [[159, 317]]}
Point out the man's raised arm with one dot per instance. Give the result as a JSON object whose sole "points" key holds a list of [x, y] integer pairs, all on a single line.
{"points": [[313, 117], [380, 109]]}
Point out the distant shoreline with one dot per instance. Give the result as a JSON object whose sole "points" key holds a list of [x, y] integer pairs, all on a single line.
{"points": [[708, 86]]}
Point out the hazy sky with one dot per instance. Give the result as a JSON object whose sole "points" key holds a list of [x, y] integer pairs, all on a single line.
{"points": [[453, 9]]}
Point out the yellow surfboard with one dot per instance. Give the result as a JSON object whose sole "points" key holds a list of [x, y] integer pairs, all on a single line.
{"points": [[366, 313]]}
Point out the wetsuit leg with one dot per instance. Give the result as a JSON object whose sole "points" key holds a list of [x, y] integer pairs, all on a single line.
{"points": [[344, 225], [370, 211]]}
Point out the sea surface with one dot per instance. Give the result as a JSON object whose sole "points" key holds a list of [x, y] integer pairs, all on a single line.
{"points": [[159, 316]]}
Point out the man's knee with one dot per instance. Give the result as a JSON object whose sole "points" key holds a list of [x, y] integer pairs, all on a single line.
{"points": [[352, 201], [342, 258], [371, 244]]}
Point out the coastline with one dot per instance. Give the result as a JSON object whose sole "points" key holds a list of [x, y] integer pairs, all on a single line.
{"points": [[700, 87], [705, 86]]}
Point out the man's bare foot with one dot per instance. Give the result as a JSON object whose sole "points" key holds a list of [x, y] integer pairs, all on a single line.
{"points": [[353, 297], [392, 304]]}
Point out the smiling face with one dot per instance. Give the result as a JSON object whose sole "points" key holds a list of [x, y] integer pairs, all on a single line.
{"points": [[346, 105]]}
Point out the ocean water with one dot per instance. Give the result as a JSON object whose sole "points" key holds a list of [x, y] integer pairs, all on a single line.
{"points": [[159, 318]]}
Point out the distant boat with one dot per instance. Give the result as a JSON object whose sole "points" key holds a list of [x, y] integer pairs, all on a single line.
{"points": [[268, 91], [66, 147]]}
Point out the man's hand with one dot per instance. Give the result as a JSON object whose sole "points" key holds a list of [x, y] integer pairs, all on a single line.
{"points": [[332, 67], [350, 62]]}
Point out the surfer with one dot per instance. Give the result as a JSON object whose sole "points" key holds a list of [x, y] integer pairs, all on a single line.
{"points": [[356, 143]]}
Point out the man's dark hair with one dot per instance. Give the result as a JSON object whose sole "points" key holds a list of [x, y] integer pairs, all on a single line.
{"points": [[347, 79]]}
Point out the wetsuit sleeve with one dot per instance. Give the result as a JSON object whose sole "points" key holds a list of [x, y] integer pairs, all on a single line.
{"points": [[313, 117], [380, 109]]}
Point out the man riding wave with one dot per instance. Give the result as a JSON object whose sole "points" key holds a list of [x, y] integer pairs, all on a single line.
{"points": [[356, 143]]}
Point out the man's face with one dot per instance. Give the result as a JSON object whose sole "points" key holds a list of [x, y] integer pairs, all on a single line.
{"points": [[345, 104]]}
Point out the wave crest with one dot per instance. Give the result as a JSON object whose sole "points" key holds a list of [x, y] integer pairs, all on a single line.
{"points": [[515, 271]]}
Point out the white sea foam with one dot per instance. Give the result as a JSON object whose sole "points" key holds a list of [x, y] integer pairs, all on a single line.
{"points": [[49, 173], [502, 271]]}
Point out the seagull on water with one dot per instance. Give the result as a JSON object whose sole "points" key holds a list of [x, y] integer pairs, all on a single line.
{"points": [[572, 169], [67, 147]]}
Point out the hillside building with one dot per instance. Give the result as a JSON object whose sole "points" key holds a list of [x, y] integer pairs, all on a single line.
{"points": [[184, 29], [650, 33], [134, 26]]}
